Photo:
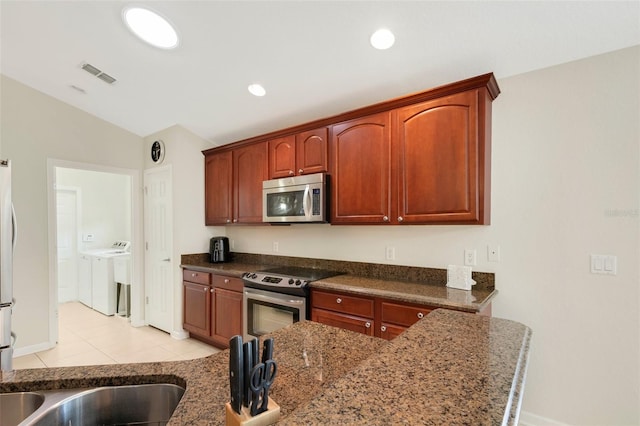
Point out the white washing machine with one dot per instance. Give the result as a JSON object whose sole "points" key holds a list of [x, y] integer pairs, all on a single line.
{"points": [[97, 287]]}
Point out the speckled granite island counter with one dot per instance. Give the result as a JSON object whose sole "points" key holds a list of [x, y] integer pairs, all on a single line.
{"points": [[449, 368]]}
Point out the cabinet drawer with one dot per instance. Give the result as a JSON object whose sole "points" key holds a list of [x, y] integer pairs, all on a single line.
{"points": [[342, 303], [229, 283], [396, 313], [196, 277]]}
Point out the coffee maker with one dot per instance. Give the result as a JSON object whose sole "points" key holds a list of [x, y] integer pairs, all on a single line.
{"points": [[219, 249]]}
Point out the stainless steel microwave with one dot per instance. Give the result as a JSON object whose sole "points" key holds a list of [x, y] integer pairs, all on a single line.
{"points": [[295, 199]]}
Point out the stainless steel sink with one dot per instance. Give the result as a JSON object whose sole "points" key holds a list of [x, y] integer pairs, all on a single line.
{"points": [[17, 406], [151, 404]]}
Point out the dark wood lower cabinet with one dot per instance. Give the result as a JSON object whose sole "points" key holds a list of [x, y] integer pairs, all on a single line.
{"points": [[212, 307], [340, 320], [372, 316]]}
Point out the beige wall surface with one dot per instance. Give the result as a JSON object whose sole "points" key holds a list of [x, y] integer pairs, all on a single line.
{"points": [[565, 174], [34, 128]]}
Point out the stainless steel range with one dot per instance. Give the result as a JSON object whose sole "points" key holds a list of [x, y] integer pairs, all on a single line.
{"points": [[277, 297]]}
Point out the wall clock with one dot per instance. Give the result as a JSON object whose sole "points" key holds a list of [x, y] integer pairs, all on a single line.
{"points": [[157, 152]]}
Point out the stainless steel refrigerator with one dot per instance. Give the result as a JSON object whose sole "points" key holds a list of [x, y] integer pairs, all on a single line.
{"points": [[8, 233]]}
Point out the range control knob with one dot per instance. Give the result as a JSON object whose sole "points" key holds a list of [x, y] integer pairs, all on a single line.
{"points": [[298, 283], [291, 281]]}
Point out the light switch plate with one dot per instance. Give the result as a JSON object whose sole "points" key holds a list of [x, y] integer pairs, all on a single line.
{"points": [[604, 264]]}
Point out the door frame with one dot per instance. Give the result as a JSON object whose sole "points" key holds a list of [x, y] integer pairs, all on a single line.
{"points": [[137, 253]]}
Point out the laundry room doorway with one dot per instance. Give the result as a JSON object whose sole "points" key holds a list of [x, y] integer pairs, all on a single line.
{"points": [[91, 207]]}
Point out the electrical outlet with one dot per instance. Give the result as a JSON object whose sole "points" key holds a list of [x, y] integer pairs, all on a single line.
{"points": [[470, 257], [390, 253], [232, 244], [276, 248], [493, 253]]}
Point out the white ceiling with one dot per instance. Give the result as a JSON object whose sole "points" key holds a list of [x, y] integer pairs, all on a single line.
{"points": [[313, 57]]}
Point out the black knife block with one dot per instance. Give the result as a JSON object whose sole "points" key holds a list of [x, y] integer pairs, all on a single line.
{"points": [[245, 419]]}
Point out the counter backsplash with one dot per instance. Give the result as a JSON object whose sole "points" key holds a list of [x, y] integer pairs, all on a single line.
{"points": [[432, 276]]}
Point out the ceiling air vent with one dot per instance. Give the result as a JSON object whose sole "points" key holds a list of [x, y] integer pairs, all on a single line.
{"points": [[98, 73]]}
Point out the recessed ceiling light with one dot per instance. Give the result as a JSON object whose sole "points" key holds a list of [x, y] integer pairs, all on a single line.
{"points": [[382, 39], [150, 27], [257, 90]]}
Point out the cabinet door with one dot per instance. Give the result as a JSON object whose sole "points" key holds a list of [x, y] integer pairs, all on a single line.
{"points": [[218, 188], [250, 169], [197, 308], [390, 331], [438, 164], [282, 157], [347, 322], [311, 151], [227, 315], [361, 170]]}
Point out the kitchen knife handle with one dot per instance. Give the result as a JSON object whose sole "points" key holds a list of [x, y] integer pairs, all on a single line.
{"points": [[236, 372], [267, 349], [248, 367]]}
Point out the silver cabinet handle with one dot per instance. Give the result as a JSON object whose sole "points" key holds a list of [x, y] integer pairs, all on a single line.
{"points": [[367, 324], [212, 290], [338, 300], [235, 220], [205, 289], [385, 218], [226, 280], [300, 171], [420, 315], [400, 219], [383, 328], [291, 173], [228, 220], [193, 274]]}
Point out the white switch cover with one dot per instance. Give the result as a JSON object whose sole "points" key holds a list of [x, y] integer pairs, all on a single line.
{"points": [[88, 237], [604, 264]]}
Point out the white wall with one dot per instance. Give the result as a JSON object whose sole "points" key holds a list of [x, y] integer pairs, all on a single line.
{"points": [[566, 172], [184, 154], [33, 128], [105, 203]]}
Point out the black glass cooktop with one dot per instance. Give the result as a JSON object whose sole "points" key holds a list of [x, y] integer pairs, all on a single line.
{"points": [[309, 274]]}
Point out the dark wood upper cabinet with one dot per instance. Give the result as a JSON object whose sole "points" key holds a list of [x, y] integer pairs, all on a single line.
{"points": [[424, 158], [298, 154], [361, 170], [233, 185], [218, 186], [441, 177], [250, 164]]}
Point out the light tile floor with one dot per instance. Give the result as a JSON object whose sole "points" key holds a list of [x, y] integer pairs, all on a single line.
{"points": [[87, 337]]}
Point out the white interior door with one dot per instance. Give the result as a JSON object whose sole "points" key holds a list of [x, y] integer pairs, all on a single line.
{"points": [[67, 244], [159, 247]]}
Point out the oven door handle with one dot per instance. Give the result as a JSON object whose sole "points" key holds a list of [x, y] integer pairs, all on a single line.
{"points": [[279, 299]]}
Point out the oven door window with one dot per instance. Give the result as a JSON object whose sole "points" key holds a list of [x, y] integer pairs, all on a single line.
{"points": [[265, 317], [283, 204]]}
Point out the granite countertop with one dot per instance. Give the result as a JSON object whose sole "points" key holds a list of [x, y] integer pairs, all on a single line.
{"points": [[449, 368], [424, 294], [365, 280]]}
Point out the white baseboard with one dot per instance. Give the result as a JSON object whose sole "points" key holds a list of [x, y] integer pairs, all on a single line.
{"points": [[530, 419], [180, 334], [27, 350]]}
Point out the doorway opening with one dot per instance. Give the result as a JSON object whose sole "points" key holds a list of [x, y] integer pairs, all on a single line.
{"points": [[90, 208]]}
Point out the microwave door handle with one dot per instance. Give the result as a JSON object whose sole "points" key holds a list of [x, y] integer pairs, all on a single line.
{"points": [[306, 202]]}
